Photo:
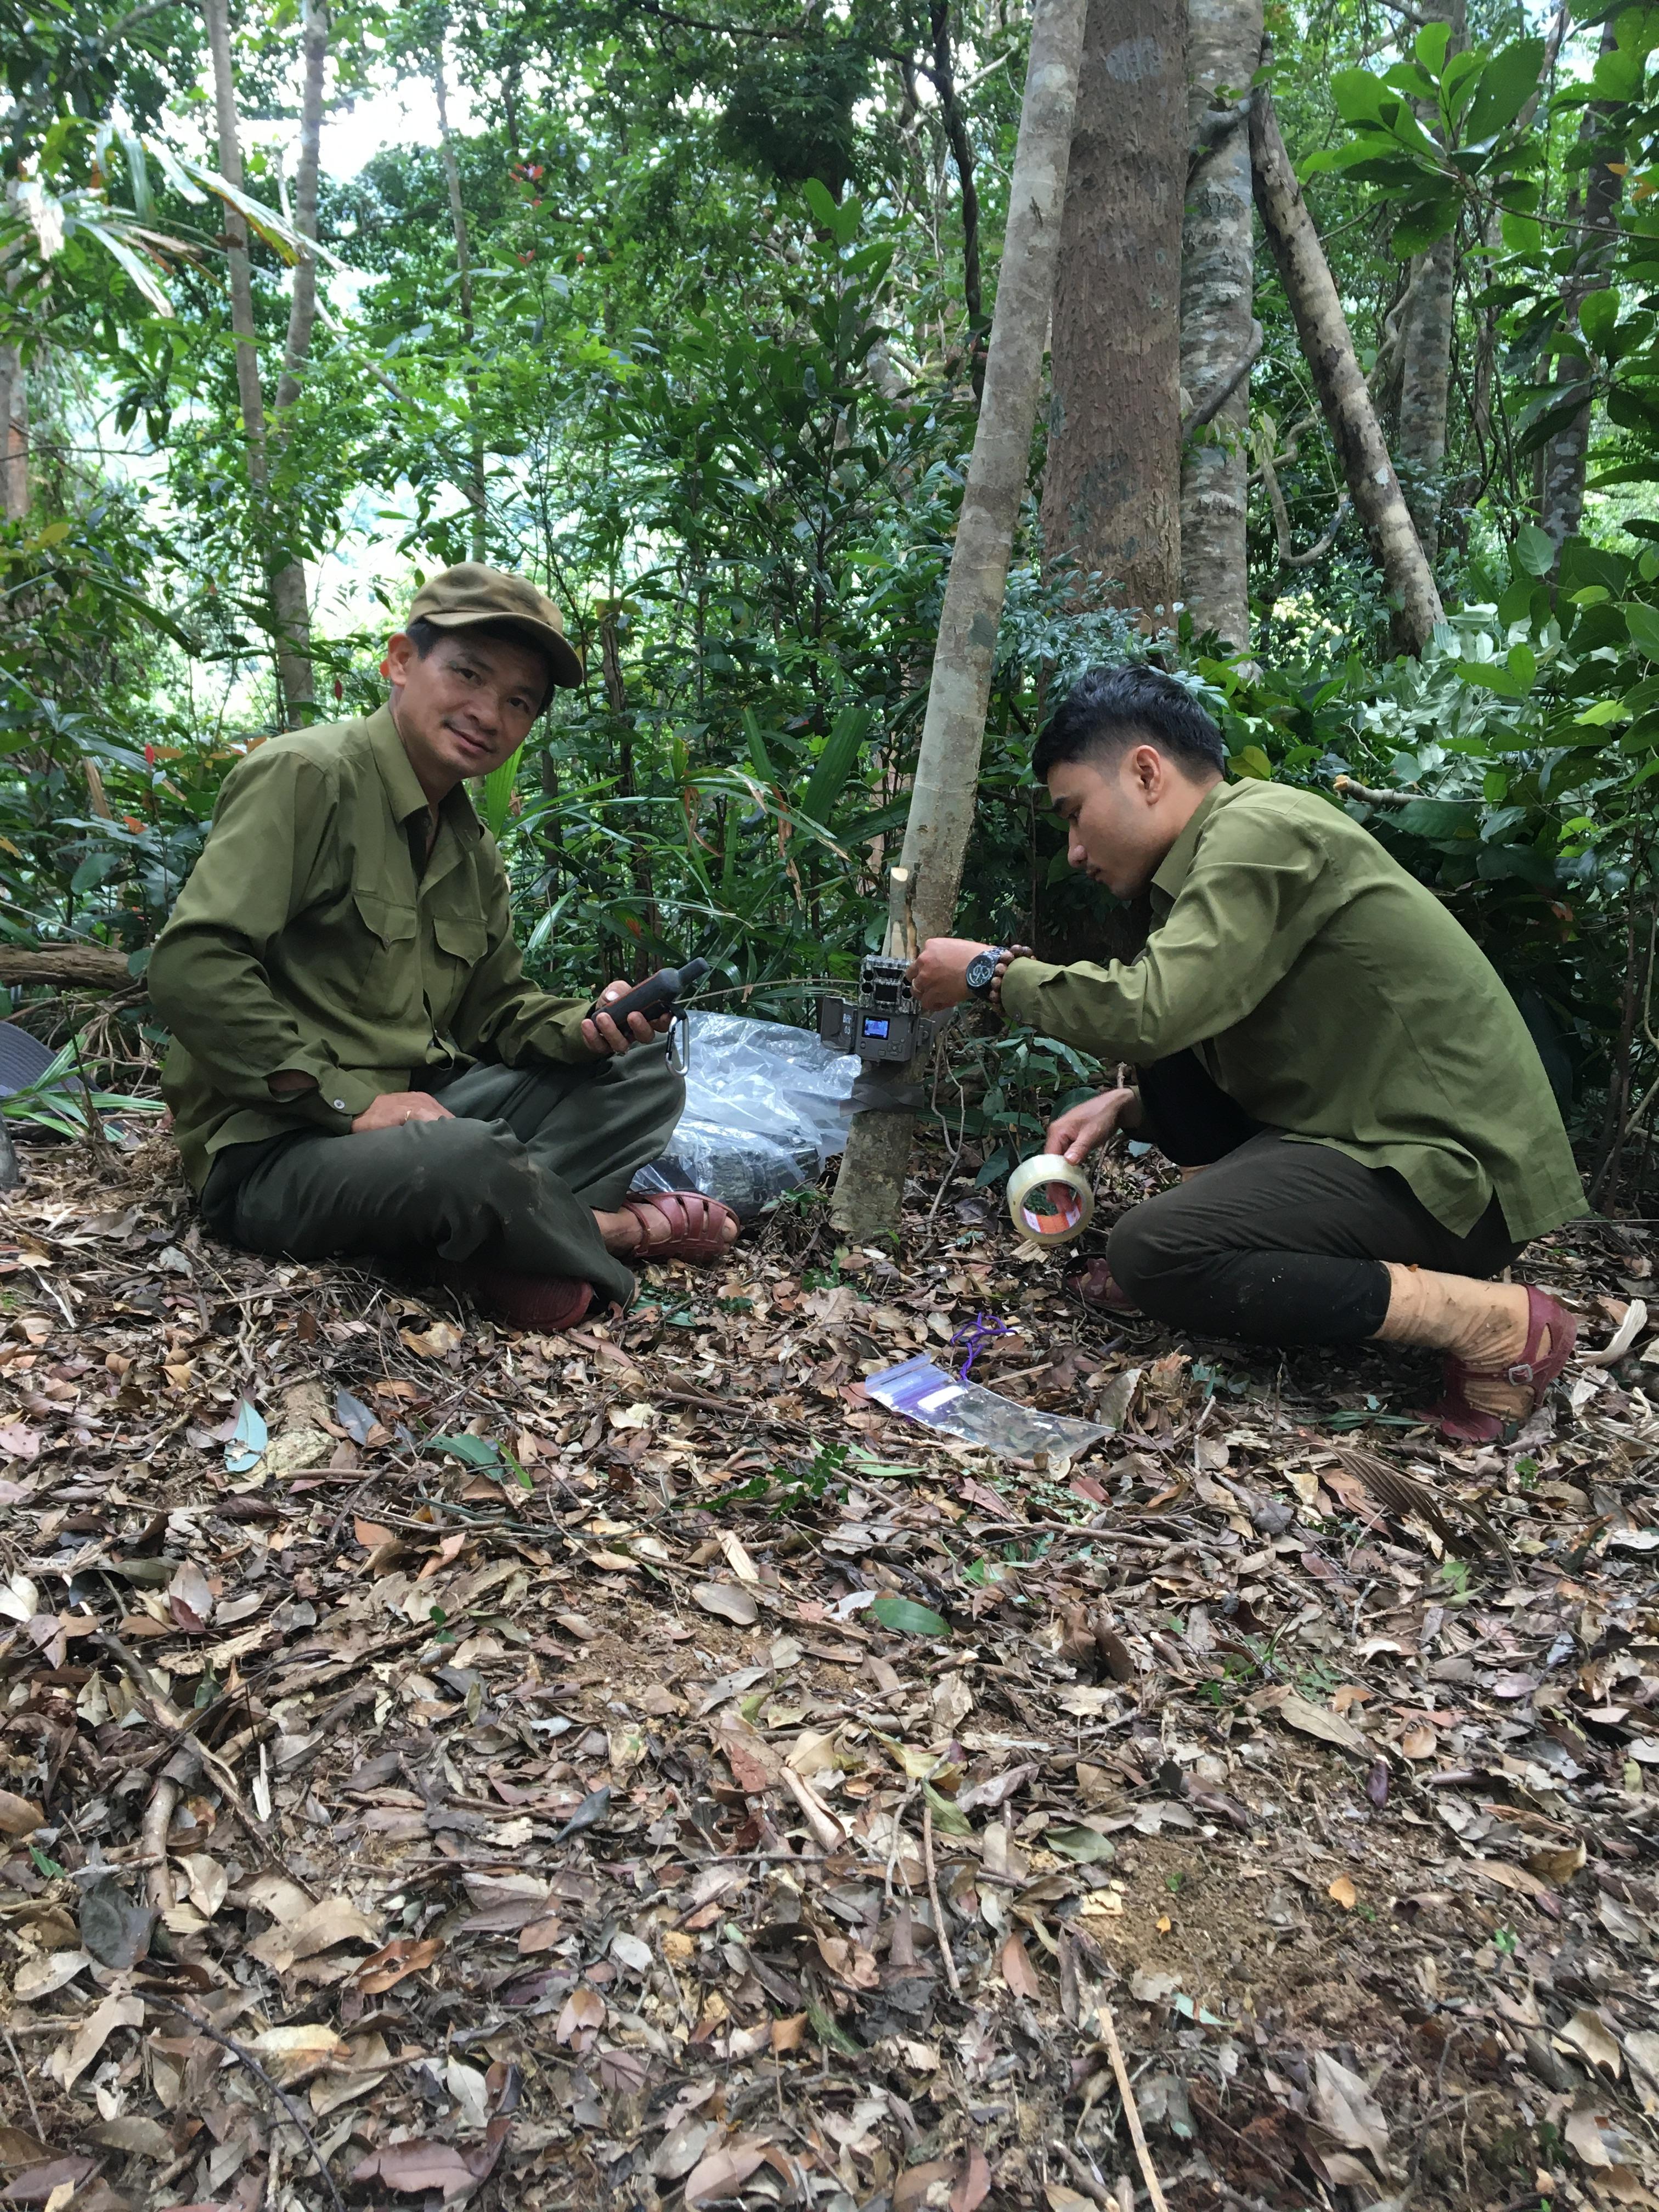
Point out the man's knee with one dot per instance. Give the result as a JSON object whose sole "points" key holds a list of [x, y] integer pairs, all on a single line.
{"points": [[1151, 1249]]}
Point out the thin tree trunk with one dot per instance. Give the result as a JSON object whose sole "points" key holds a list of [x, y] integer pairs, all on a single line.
{"points": [[1218, 277], [1322, 328], [943, 77], [474, 487], [249, 390], [869, 1190], [1425, 388], [1561, 470], [290, 600], [14, 436], [1425, 346], [1111, 493]]}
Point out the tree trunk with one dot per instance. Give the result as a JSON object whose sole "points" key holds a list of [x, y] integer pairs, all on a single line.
{"points": [[290, 601], [1426, 343], [1322, 328], [869, 1190], [1111, 493], [1425, 388], [1218, 277], [248, 389], [244, 334], [474, 487], [14, 436], [943, 78], [1561, 470]]}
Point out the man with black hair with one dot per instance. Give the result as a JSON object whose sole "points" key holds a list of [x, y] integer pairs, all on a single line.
{"points": [[359, 1064], [1311, 1029]]}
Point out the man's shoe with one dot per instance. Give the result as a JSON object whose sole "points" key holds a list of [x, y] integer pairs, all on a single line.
{"points": [[1462, 1422], [1097, 1287], [543, 1305]]}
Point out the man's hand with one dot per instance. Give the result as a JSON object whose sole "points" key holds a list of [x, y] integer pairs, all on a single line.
{"points": [[602, 1036], [393, 1108], [1082, 1129], [938, 971]]}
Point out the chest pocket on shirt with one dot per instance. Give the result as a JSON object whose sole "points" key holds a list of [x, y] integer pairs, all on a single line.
{"points": [[392, 969], [462, 943]]}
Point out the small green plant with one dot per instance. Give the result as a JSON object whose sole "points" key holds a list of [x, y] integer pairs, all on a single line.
{"points": [[1455, 1580], [786, 1490], [1526, 1473], [60, 1099], [1504, 1942], [1317, 1679]]}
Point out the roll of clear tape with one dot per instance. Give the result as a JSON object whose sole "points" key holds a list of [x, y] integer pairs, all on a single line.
{"points": [[1049, 1200]]}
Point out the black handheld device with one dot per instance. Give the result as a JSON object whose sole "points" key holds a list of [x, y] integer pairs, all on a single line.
{"points": [[658, 995]]}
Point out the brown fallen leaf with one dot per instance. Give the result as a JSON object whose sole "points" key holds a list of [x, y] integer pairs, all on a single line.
{"points": [[728, 1601], [1017, 1969], [335, 1920], [1343, 1891], [18, 1816], [415, 2167], [1309, 1719], [974, 2184], [581, 2019], [1589, 2033], [723, 2171], [384, 1969], [1345, 2105], [1557, 1863]]}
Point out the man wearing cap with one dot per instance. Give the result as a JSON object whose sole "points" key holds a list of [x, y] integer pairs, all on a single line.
{"points": [[359, 1065]]}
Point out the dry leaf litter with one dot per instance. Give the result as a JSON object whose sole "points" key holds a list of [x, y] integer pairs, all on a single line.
{"points": [[438, 1765]]}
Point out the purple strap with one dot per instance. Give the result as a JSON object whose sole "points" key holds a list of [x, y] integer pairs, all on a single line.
{"points": [[973, 1336]]}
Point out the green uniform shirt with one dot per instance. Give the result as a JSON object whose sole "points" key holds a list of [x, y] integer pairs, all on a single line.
{"points": [[1334, 998], [306, 939]]}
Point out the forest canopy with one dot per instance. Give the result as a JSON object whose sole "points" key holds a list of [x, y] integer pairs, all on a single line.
{"points": [[683, 312]]}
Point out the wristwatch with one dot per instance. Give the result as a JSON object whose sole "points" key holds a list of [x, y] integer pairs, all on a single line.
{"points": [[982, 971]]}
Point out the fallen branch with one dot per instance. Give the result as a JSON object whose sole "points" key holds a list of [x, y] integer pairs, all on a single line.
{"points": [[71, 967], [1126, 2090], [944, 1952]]}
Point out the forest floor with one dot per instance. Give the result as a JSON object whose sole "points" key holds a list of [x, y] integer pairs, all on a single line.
{"points": [[504, 1758]]}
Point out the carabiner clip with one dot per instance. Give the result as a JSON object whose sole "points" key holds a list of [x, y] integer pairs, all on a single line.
{"points": [[679, 1042]]}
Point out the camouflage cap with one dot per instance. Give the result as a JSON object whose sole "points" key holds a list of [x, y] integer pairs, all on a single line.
{"points": [[461, 597]]}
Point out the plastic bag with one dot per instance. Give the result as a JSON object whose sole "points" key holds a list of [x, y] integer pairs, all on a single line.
{"points": [[925, 1393], [766, 1105]]}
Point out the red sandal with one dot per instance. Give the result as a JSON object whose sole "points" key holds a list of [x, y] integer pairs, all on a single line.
{"points": [[1097, 1287], [1462, 1423], [544, 1304], [696, 1227]]}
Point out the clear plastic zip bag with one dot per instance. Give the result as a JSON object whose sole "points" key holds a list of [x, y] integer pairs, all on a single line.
{"points": [[925, 1393]]}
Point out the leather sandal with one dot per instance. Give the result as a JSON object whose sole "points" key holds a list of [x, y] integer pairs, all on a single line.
{"points": [[1462, 1423], [544, 1305], [696, 1227], [1097, 1287]]}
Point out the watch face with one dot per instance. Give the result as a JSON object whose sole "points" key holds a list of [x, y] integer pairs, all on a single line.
{"points": [[981, 971]]}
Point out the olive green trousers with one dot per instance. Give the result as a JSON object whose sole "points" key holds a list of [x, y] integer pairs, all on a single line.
{"points": [[512, 1181]]}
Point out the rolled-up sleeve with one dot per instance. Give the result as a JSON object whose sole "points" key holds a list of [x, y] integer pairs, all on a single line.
{"points": [[1249, 908]]}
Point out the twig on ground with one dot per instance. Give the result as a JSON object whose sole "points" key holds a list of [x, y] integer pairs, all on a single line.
{"points": [[1126, 2090], [246, 2058], [1084, 2179], [950, 1973], [22, 2076]]}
